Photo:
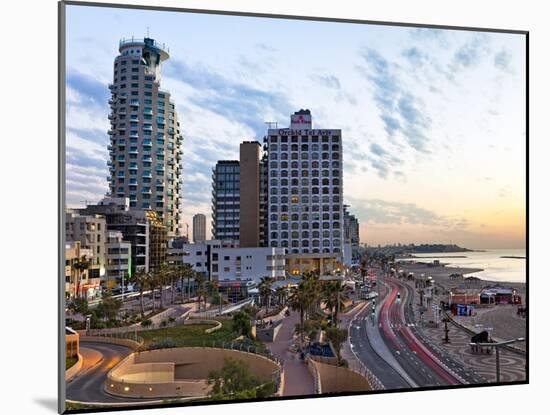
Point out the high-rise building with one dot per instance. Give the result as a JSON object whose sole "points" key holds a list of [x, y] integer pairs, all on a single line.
{"points": [[305, 211], [146, 142], [351, 233], [199, 228], [249, 229], [226, 200]]}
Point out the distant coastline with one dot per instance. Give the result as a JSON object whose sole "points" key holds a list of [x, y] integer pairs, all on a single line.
{"points": [[513, 257]]}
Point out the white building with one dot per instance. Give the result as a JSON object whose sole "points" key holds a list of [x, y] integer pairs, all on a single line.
{"points": [[225, 261], [118, 254], [305, 194]]}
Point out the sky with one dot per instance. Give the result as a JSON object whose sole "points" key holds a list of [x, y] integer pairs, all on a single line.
{"points": [[433, 121]]}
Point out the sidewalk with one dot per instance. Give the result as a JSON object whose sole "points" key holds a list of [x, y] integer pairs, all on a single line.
{"points": [[297, 379]]}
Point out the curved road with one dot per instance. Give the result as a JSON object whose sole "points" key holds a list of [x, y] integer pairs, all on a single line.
{"points": [[87, 386]]}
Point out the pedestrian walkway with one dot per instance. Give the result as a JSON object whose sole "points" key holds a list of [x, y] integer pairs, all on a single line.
{"points": [[297, 379]]}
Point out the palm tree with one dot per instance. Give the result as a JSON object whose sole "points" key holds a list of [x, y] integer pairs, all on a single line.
{"points": [[80, 266], [313, 288], [334, 296], [185, 271], [299, 300], [264, 287], [141, 277], [280, 294], [199, 280]]}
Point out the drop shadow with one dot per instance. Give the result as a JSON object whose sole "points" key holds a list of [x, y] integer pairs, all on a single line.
{"points": [[48, 403]]}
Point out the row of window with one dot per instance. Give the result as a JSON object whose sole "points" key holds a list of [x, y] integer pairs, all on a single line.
{"points": [[304, 164], [304, 173], [304, 147], [304, 139], [304, 190], [296, 156]]}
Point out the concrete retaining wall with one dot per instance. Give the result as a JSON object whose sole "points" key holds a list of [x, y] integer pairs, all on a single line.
{"points": [[178, 372], [132, 344], [336, 379], [74, 369]]}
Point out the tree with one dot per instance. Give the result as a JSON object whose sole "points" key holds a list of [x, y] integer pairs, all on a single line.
{"points": [[108, 308], [141, 278], [79, 306], [298, 301], [241, 324], [264, 287], [280, 295], [201, 292], [235, 381], [334, 296], [80, 266], [185, 271], [337, 337]]}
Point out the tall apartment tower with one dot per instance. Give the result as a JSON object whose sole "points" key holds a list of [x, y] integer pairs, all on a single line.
{"points": [[226, 200], [146, 142], [249, 159], [199, 228], [305, 191]]}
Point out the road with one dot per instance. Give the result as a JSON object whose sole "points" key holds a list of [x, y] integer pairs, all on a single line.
{"points": [[363, 349], [394, 348], [425, 363], [88, 385]]}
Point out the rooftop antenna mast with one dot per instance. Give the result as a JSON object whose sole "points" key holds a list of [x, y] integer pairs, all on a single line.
{"points": [[147, 31]]}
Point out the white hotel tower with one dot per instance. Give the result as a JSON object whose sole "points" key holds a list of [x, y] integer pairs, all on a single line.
{"points": [[305, 193], [146, 143]]}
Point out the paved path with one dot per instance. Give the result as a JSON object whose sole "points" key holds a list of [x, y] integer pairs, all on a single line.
{"points": [[512, 365], [298, 380]]}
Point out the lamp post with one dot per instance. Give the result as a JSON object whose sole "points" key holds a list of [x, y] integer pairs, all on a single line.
{"points": [[497, 346]]}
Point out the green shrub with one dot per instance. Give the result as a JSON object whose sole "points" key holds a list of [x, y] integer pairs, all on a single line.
{"points": [[146, 322]]}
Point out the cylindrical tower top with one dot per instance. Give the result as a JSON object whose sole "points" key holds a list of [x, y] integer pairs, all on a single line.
{"points": [[144, 44]]}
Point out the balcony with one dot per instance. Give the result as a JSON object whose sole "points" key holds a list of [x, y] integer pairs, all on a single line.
{"points": [[148, 127], [111, 132], [111, 87], [112, 101], [134, 103]]}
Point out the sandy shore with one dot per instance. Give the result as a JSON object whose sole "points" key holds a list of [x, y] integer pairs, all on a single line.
{"points": [[441, 274]]}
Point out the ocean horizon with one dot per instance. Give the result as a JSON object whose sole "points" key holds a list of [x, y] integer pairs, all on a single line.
{"points": [[495, 267]]}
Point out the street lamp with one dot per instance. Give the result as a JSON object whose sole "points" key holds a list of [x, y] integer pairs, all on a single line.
{"points": [[497, 346]]}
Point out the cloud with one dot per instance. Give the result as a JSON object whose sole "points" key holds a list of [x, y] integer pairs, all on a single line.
{"points": [[330, 81], [469, 54], [400, 110], [233, 100], [503, 60], [384, 212], [94, 91]]}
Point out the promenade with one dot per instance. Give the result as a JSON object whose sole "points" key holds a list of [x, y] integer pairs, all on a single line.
{"points": [[297, 379]]}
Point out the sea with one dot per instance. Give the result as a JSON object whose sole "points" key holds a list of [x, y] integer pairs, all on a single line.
{"points": [[495, 267]]}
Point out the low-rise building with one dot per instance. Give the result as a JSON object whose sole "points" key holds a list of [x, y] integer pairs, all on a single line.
{"points": [[90, 230], [118, 260], [226, 261], [464, 296], [82, 273]]}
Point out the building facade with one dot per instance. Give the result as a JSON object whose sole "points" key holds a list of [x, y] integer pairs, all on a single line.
{"points": [[91, 231], [351, 233], [225, 261], [305, 191], [226, 200], [146, 142], [144, 230], [199, 228], [118, 260], [81, 274], [249, 222]]}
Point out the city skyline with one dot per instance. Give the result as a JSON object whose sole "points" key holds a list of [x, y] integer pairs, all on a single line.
{"points": [[395, 93]]}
